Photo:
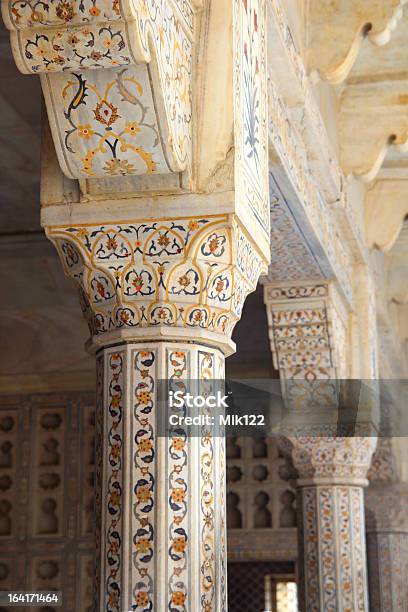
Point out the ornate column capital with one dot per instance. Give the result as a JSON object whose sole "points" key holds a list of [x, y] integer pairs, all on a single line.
{"points": [[185, 277], [323, 459]]}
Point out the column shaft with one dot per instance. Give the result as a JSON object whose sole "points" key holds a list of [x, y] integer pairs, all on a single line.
{"points": [[386, 506], [332, 548], [161, 512], [388, 570]]}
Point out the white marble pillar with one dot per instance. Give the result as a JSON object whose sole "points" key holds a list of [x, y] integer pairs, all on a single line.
{"points": [[387, 546], [161, 503], [331, 525], [161, 299], [165, 229], [309, 327]]}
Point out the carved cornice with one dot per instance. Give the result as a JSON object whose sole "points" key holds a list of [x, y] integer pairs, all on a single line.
{"points": [[307, 201], [117, 80], [338, 29], [184, 275], [308, 150]]}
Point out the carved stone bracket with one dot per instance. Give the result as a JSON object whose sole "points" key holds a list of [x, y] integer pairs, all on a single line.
{"points": [[385, 210], [308, 330], [372, 125], [338, 29], [116, 77]]}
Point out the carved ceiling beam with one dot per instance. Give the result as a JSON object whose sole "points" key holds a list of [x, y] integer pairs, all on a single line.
{"points": [[116, 78], [304, 202], [299, 140], [338, 29]]}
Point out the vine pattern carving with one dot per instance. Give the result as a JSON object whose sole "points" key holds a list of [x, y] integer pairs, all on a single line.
{"points": [[193, 272]]}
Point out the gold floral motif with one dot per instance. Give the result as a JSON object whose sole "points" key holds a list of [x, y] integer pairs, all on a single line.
{"points": [[178, 495], [118, 167], [85, 131], [178, 598], [179, 545], [178, 444], [144, 397], [132, 128], [143, 545], [142, 599], [143, 494], [145, 445]]}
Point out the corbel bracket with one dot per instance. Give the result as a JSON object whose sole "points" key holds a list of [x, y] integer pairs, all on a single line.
{"points": [[116, 77]]}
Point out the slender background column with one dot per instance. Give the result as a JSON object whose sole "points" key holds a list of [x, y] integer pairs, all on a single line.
{"points": [[309, 327], [386, 507]]}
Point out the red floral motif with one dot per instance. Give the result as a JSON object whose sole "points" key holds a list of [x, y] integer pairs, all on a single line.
{"points": [[100, 289], [219, 286], [111, 244], [163, 240], [106, 113], [213, 244], [65, 11], [124, 316], [138, 283], [184, 281]]}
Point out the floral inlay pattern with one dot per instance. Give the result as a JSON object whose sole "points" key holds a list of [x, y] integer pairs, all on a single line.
{"points": [[99, 138], [179, 446], [114, 481], [143, 498], [89, 38], [173, 273], [251, 132]]}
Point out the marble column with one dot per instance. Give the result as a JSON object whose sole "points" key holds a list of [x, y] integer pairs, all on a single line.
{"points": [[161, 216], [331, 525], [386, 507], [308, 326], [161, 500], [161, 299]]}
